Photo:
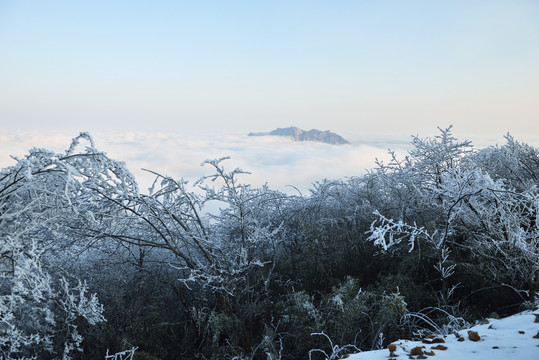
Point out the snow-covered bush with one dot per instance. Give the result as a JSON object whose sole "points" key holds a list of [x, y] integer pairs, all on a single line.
{"points": [[466, 212], [41, 306]]}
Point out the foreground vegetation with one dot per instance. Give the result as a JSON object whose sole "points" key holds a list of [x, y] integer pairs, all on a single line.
{"points": [[444, 236]]}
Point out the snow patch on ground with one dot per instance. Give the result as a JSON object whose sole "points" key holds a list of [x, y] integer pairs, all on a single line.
{"points": [[508, 338]]}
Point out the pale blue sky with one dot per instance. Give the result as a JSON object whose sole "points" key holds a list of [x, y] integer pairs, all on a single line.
{"points": [[194, 66]]}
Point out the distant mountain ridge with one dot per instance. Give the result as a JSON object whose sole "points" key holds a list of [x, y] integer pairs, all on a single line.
{"points": [[298, 134]]}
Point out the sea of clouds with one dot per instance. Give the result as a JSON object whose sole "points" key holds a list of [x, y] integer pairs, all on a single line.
{"points": [[283, 164]]}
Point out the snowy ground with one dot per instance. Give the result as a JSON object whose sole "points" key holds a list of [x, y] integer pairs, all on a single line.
{"points": [[508, 338]]}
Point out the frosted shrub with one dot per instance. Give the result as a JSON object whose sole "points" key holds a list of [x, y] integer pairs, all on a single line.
{"points": [[40, 310], [40, 316], [335, 351], [430, 321], [359, 316]]}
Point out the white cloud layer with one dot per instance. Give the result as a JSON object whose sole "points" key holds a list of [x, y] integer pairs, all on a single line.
{"points": [[280, 162], [277, 161]]}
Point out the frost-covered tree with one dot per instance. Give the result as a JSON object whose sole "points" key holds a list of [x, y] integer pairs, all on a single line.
{"points": [[516, 163], [43, 198], [224, 259], [491, 218]]}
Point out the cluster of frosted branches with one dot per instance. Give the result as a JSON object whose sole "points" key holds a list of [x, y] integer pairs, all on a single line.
{"points": [[387, 233], [40, 309]]}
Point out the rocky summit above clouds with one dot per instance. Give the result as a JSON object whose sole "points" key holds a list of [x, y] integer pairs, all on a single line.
{"points": [[298, 134]]}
